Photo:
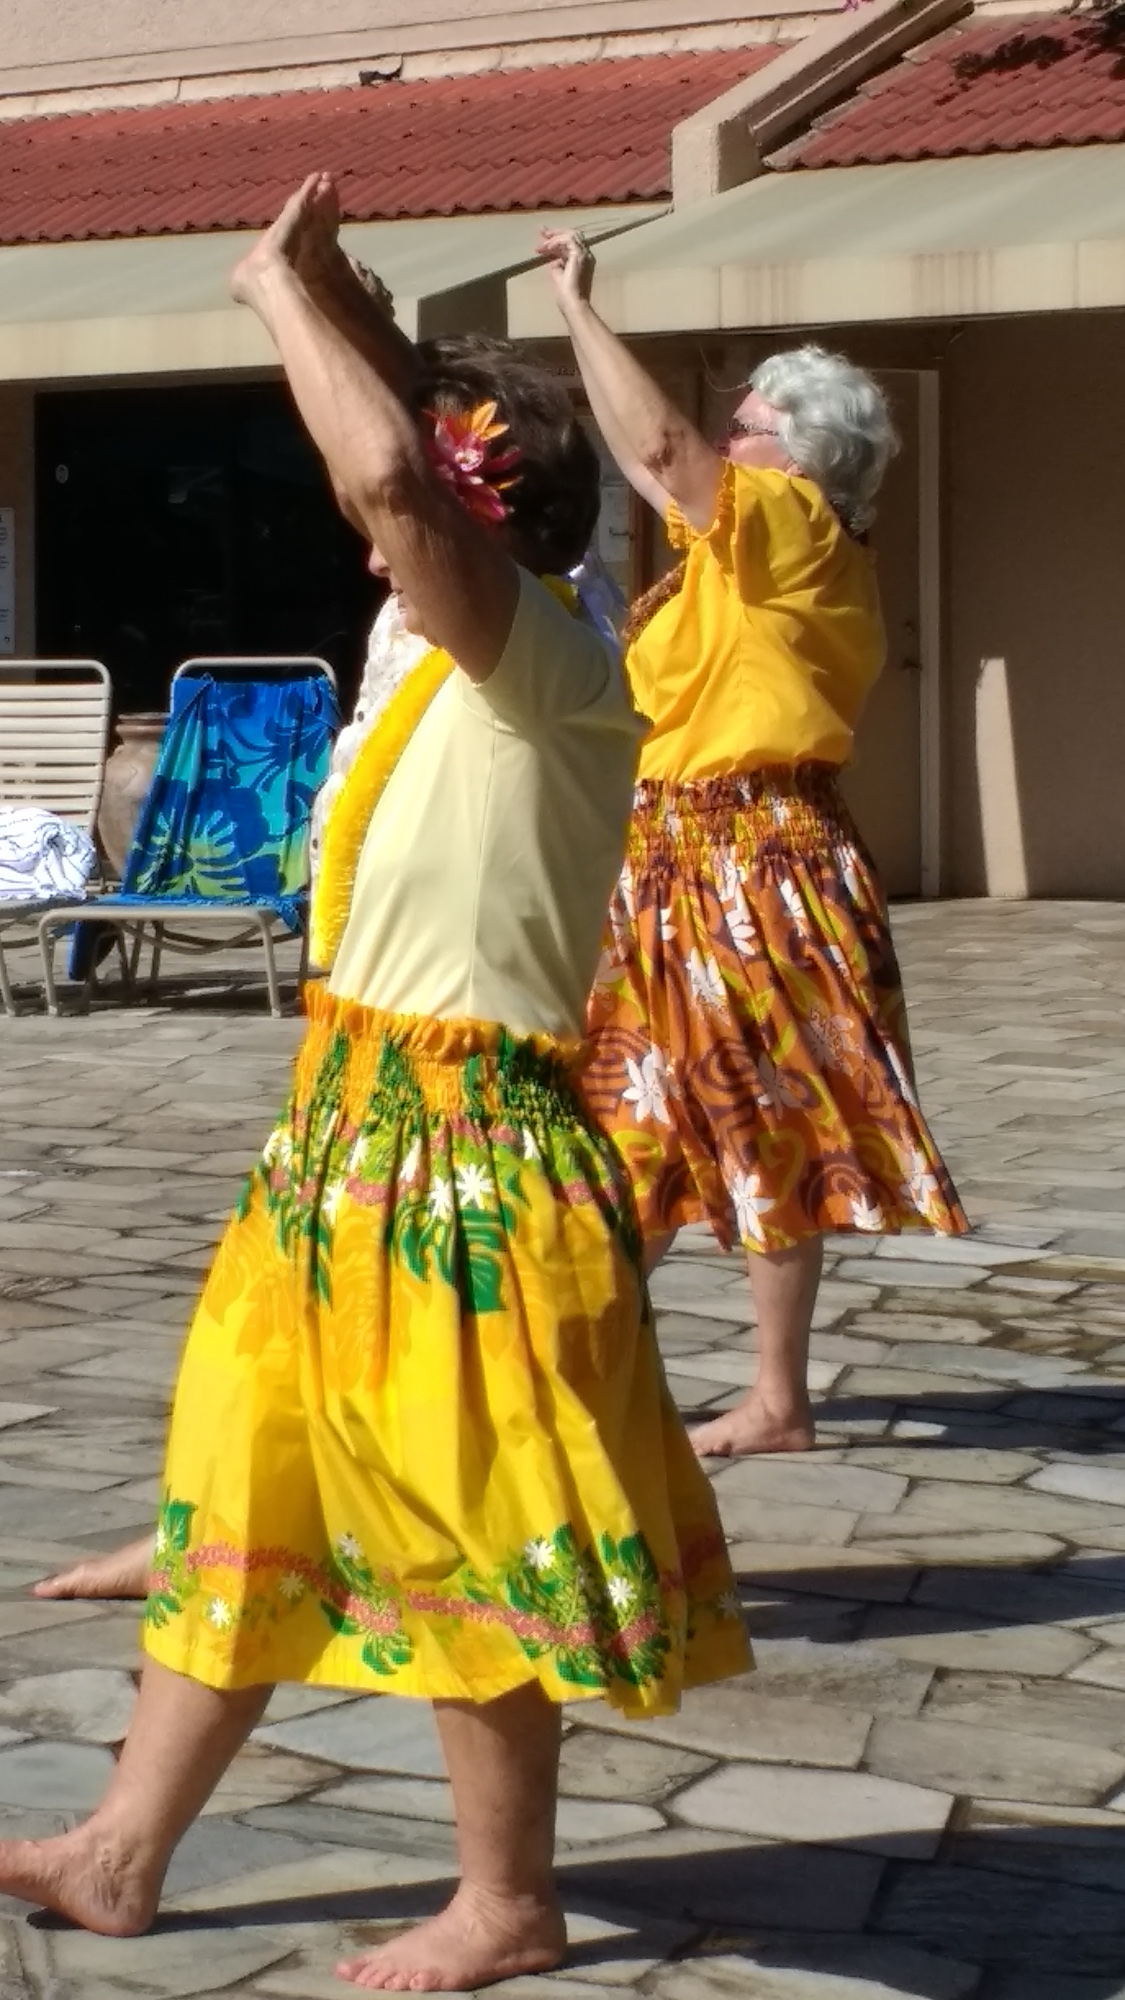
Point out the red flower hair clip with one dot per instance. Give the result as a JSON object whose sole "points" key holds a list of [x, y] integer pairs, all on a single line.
{"points": [[460, 445]]}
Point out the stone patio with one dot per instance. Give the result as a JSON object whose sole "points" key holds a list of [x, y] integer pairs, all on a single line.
{"points": [[922, 1790]]}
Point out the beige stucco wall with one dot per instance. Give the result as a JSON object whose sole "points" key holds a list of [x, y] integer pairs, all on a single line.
{"points": [[17, 490], [1035, 513], [48, 45]]}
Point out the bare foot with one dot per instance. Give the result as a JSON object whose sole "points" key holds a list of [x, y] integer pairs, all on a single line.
{"points": [[86, 1875], [751, 1427], [476, 1940], [123, 1574]]}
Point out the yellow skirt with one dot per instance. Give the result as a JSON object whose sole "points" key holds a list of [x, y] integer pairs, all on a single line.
{"points": [[422, 1443]]}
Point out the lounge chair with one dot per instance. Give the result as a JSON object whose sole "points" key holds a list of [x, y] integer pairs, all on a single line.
{"points": [[54, 730], [224, 831]]}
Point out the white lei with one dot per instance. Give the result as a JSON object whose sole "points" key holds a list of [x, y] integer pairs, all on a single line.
{"points": [[392, 653]]}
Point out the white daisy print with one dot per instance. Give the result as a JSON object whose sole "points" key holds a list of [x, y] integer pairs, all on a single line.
{"points": [[649, 1087], [852, 883], [749, 1205], [922, 1184], [867, 1214], [292, 1587], [540, 1554], [348, 1547], [441, 1198], [736, 909], [706, 980], [219, 1614], [775, 1088], [620, 1592], [330, 1200], [474, 1185], [831, 1039], [728, 1605], [794, 905], [609, 965], [408, 1171]]}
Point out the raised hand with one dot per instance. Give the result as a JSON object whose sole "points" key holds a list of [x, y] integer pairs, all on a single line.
{"points": [[570, 261], [304, 240]]}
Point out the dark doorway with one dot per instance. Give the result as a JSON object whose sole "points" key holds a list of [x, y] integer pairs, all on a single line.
{"points": [[193, 520]]}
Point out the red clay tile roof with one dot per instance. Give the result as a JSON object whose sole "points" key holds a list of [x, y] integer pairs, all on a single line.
{"points": [[995, 87], [523, 139]]}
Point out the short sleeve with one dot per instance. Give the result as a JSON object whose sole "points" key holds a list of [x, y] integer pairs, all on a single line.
{"points": [[554, 667], [752, 501]]}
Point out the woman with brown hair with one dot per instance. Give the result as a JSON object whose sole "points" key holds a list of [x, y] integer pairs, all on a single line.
{"points": [[421, 1441], [751, 1057]]}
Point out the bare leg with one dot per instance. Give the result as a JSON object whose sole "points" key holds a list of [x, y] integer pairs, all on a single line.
{"points": [[505, 1919], [108, 1873], [775, 1414], [124, 1573]]}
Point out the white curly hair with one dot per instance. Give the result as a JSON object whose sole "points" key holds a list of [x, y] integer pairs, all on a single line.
{"points": [[835, 425]]}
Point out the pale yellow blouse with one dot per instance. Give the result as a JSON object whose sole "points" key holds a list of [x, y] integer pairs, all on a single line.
{"points": [[486, 872], [770, 649]]}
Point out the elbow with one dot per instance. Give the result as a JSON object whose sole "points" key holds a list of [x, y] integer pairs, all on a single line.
{"points": [[392, 483], [397, 486]]}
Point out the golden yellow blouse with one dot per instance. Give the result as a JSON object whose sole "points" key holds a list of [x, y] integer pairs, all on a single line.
{"points": [[770, 649]]}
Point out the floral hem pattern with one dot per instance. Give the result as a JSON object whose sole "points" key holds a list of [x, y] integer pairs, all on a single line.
{"points": [[750, 1050], [422, 1442]]}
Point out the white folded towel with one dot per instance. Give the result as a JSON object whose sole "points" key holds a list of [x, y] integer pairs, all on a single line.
{"points": [[42, 856]]}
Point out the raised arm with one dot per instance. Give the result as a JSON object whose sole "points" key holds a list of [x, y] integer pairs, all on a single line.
{"points": [[349, 378], [660, 452]]}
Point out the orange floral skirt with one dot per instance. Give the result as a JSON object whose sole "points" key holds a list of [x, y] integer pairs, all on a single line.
{"points": [[751, 1057]]}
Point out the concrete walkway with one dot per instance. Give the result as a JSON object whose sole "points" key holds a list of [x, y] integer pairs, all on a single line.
{"points": [[921, 1792]]}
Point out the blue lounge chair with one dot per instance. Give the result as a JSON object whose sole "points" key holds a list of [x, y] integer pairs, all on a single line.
{"points": [[224, 831]]}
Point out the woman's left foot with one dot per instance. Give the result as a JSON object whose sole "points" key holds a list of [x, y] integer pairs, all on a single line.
{"points": [[752, 1428], [475, 1941], [88, 1875]]}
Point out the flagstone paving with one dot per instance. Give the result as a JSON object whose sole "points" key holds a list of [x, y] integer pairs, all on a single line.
{"points": [[921, 1792]]}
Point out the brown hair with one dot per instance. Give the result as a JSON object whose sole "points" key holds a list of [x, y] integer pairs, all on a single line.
{"points": [[556, 491]]}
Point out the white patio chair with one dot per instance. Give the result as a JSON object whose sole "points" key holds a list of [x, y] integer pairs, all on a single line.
{"points": [[190, 922], [54, 732]]}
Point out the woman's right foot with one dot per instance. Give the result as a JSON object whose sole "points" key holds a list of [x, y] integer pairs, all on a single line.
{"points": [[87, 1876], [125, 1573]]}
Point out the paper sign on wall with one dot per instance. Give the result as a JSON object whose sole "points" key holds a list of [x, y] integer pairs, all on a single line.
{"points": [[7, 579]]}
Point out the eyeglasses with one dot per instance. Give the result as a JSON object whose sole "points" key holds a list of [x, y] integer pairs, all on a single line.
{"points": [[739, 428]]}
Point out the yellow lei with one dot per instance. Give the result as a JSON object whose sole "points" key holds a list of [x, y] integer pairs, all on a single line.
{"points": [[352, 811], [355, 803]]}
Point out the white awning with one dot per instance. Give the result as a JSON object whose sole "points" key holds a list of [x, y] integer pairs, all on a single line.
{"points": [[159, 305], [1006, 233]]}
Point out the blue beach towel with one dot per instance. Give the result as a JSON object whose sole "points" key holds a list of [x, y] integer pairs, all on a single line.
{"points": [[226, 820]]}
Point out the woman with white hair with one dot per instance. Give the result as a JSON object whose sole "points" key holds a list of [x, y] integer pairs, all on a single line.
{"points": [[750, 1048]]}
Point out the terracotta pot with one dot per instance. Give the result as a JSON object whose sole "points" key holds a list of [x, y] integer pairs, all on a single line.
{"points": [[128, 775]]}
